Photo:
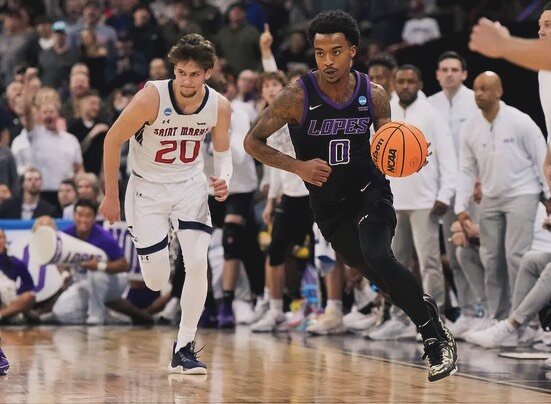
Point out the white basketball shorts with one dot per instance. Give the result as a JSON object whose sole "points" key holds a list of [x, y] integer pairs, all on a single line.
{"points": [[152, 210]]}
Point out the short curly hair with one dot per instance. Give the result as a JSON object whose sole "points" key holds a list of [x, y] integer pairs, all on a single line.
{"points": [[333, 21], [193, 47]]}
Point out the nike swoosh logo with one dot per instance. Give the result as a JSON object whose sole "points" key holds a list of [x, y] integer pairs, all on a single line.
{"points": [[364, 188], [311, 108]]}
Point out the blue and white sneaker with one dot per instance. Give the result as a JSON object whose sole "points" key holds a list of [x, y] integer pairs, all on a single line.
{"points": [[185, 361], [4, 364]]}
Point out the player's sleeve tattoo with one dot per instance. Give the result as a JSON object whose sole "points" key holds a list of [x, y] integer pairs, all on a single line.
{"points": [[381, 104], [286, 109]]}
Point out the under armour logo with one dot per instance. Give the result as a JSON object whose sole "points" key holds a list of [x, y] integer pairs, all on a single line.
{"points": [[138, 194], [166, 120], [144, 258]]}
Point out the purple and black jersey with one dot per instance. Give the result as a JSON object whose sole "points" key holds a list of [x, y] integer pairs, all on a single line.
{"points": [[338, 134], [17, 271], [102, 239]]}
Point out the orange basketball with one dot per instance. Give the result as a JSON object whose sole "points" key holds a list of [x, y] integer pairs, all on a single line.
{"points": [[399, 149]]}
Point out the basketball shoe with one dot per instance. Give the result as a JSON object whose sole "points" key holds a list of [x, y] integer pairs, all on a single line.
{"points": [[393, 329], [272, 321], [226, 318], [4, 364], [501, 334], [185, 361], [329, 323], [441, 352], [208, 319]]}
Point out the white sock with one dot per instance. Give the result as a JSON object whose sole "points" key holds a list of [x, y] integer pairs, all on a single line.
{"points": [[336, 305], [194, 293], [276, 305], [185, 336]]}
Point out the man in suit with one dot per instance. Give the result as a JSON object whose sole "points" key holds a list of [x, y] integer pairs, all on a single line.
{"points": [[29, 205]]}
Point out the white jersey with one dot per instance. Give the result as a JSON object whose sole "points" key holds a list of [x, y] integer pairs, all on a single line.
{"points": [[281, 181], [170, 149]]}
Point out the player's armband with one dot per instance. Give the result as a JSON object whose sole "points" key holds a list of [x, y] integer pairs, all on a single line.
{"points": [[223, 167]]}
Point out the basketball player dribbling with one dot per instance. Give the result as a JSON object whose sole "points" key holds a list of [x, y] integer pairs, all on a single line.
{"points": [[166, 123], [329, 112]]}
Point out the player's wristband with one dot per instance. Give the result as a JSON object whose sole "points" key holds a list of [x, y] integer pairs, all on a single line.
{"points": [[223, 167], [102, 266]]}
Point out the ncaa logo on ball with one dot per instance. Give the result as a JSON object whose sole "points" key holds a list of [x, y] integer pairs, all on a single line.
{"points": [[167, 112], [362, 100]]}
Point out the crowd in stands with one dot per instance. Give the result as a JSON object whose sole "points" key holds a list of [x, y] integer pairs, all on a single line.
{"points": [[69, 67]]}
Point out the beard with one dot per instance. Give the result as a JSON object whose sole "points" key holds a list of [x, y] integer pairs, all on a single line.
{"points": [[190, 95]]}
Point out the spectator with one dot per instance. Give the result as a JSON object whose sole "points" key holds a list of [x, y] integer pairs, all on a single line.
{"points": [[79, 84], [88, 187], [158, 70], [179, 23], [45, 35], [55, 63], [207, 16], [55, 152], [121, 15], [17, 46], [73, 13], [387, 19], [13, 90], [80, 68], [247, 92], [120, 98], [90, 131], [105, 35], [16, 284], [29, 205], [21, 147], [420, 27], [8, 170], [66, 193], [93, 55], [238, 31], [5, 193], [131, 64], [295, 52], [145, 32]]}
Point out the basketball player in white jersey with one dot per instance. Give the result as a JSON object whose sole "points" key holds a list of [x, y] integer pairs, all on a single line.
{"points": [[166, 123]]}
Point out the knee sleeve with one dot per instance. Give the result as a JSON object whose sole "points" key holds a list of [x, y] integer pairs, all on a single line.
{"points": [[232, 240], [155, 268]]}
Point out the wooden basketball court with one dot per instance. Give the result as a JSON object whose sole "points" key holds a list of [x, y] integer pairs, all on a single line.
{"points": [[129, 364]]}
